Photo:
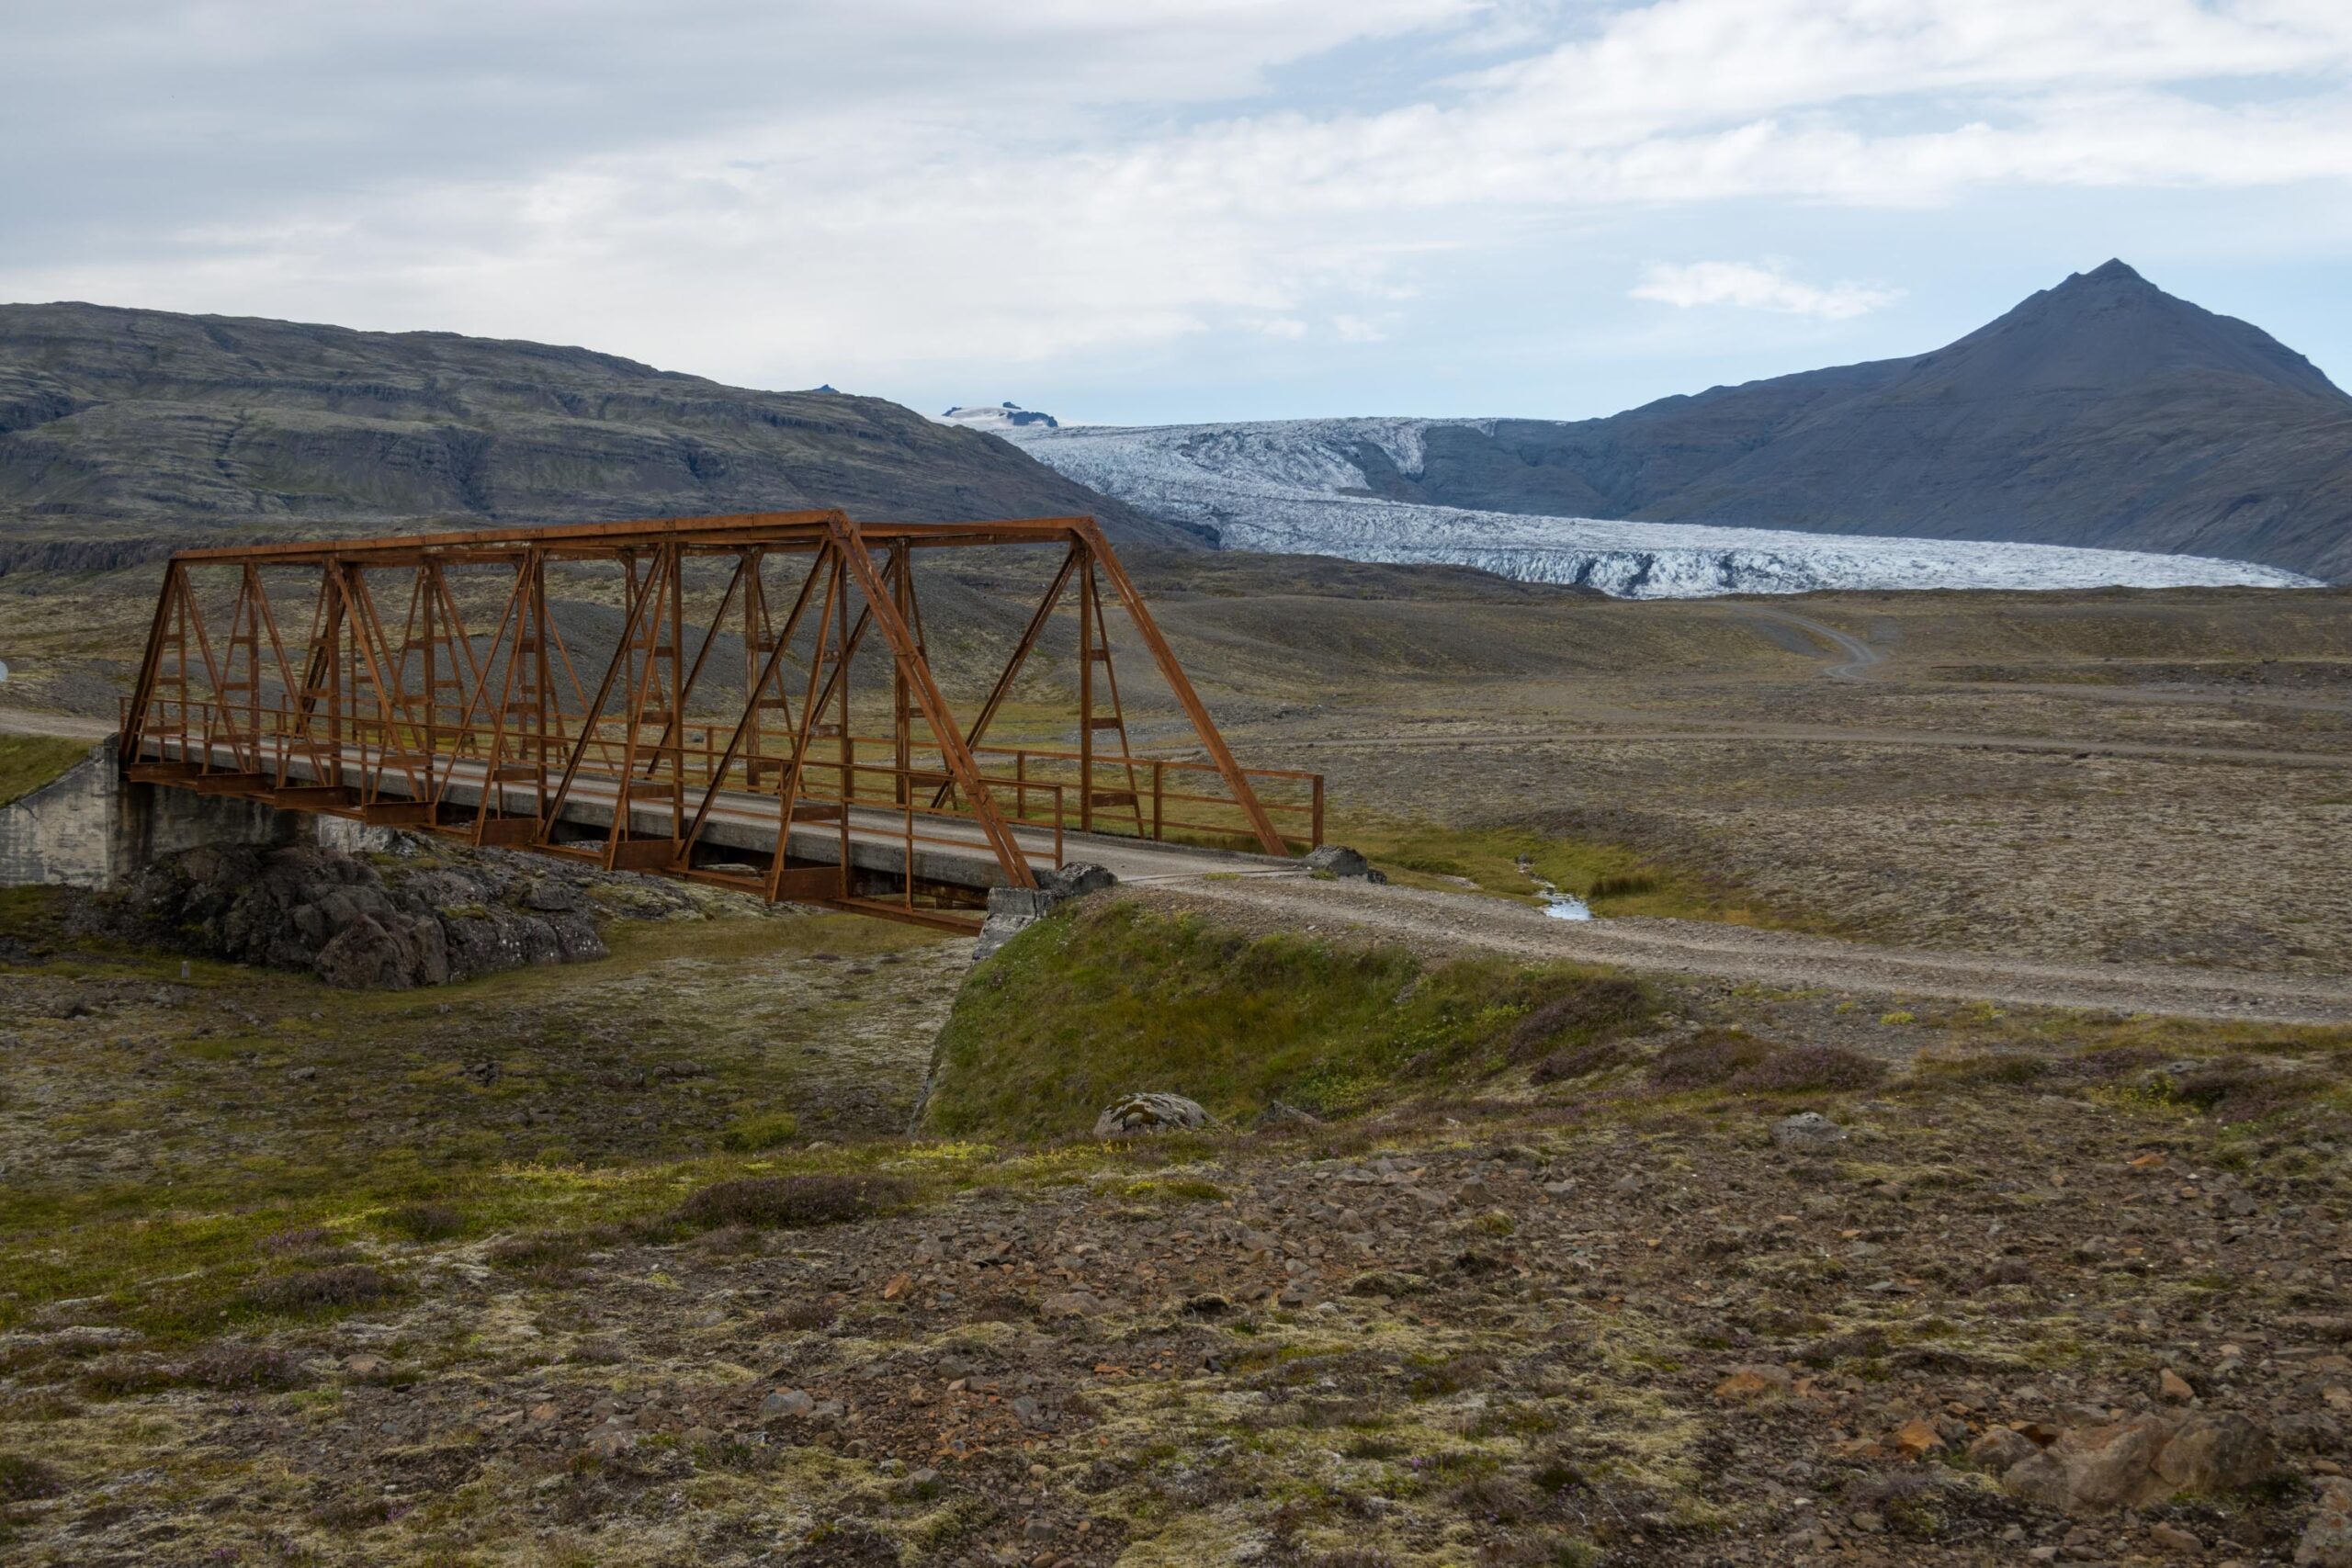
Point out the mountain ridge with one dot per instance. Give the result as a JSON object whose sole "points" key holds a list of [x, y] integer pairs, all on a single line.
{"points": [[2101, 411], [119, 421]]}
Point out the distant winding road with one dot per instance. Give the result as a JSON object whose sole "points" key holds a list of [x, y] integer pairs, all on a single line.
{"points": [[1860, 656]]}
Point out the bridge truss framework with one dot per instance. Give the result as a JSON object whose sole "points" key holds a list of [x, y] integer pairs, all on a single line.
{"points": [[419, 720]]}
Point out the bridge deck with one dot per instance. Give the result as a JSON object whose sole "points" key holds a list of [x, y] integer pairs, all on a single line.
{"points": [[948, 849]]}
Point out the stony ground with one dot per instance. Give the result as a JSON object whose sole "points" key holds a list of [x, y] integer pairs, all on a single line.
{"points": [[2062, 809], [299, 1277], [633, 1262]]}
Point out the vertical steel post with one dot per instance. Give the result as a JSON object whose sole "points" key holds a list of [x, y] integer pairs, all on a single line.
{"points": [[1085, 690], [427, 574]]}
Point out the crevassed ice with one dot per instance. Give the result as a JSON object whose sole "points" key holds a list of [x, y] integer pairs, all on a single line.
{"points": [[1286, 485]]}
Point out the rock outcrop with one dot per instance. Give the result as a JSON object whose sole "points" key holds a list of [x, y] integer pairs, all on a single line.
{"points": [[2135, 1464], [358, 924], [1136, 1115], [1013, 911], [1337, 860]]}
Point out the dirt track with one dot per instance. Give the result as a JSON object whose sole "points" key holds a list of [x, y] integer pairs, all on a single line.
{"points": [[1860, 656], [1437, 924], [1843, 735], [23, 721]]}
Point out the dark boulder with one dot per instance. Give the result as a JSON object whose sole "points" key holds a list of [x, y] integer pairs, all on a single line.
{"points": [[346, 920]]}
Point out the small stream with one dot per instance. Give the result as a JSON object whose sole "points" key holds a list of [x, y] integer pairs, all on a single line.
{"points": [[1558, 905]]}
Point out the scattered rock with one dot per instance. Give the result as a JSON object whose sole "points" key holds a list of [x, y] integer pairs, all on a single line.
{"points": [[609, 1441], [1917, 1437], [2134, 1464], [787, 1402], [1337, 860], [1139, 1114], [2173, 1539], [2327, 1539], [2173, 1389], [1807, 1129], [1754, 1383], [2000, 1447]]}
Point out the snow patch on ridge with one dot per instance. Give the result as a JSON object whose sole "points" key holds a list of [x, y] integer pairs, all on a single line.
{"points": [[1002, 420], [1298, 486]]}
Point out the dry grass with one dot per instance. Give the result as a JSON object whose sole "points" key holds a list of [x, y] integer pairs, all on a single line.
{"points": [[1802, 1069], [24, 1479], [1708, 1060], [321, 1290], [232, 1367], [426, 1222], [1580, 1061], [788, 1202], [1591, 1011]]}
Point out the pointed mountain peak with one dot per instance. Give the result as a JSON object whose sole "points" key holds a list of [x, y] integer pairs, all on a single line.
{"points": [[2109, 332], [2113, 272]]}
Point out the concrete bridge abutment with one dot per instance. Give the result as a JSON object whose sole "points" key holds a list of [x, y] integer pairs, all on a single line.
{"points": [[91, 828]]}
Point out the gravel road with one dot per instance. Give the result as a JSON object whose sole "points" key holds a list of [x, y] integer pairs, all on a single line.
{"points": [[1445, 925]]}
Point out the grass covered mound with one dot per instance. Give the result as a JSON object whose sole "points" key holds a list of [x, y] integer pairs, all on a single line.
{"points": [[1111, 999], [28, 761]]}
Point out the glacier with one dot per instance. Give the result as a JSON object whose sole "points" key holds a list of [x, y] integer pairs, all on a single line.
{"points": [[1295, 486]]}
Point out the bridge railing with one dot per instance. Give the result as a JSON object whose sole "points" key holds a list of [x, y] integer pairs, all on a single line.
{"points": [[245, 748], [1162, 799]]}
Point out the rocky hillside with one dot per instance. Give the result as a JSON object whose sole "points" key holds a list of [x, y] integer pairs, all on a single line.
{"points": [[124, 424], [2102, 411]]}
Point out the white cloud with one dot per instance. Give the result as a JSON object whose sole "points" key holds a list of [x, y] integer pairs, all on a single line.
{"points": [[1754, 288], [862, 192]]}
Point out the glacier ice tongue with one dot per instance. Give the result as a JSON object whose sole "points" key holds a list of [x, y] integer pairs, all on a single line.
{"points": [[1298, 486]]}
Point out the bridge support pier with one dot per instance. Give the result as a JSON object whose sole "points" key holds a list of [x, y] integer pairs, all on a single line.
{"points": [[92, 828]]}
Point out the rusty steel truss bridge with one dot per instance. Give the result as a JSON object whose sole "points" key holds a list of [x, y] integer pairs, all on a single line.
{"points": [[702, 717]]}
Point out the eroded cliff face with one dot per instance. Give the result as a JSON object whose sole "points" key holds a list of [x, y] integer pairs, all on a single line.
{"points": [[145, 422]]}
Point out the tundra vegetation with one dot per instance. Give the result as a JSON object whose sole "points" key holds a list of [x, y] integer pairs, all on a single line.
{"points": [[636, 1262]]}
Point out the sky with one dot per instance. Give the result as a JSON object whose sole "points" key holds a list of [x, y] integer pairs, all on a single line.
{"points": [[1163, 210]]}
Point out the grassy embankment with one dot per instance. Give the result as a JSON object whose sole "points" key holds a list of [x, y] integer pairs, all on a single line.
{"points": [[1078, 1011], [28, 761], [1109, 999]]}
